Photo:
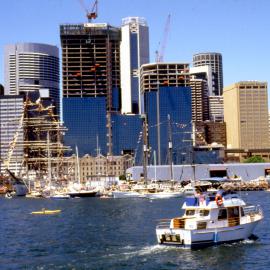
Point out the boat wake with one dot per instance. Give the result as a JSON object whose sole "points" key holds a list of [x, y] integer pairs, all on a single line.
{"points": [[129, 252]]}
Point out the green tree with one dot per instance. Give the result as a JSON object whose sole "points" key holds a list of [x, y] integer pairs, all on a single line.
{"points": [[254, 159]]}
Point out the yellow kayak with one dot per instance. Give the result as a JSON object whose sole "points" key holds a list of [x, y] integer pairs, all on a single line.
{"points": [[46, 212]]}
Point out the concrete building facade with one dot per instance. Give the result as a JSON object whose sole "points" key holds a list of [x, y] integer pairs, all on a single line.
{"points": [[134, 51], [32, 67], [97, 168], [200, 103], [216, 108], [246, 115], [11, 112]]}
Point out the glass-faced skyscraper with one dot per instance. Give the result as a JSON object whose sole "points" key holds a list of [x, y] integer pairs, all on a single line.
{"points": [[32, 67], [134, 52]]}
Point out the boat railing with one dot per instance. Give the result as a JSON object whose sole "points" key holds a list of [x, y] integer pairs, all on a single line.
{"points": [[252, 210], [163, 224]]}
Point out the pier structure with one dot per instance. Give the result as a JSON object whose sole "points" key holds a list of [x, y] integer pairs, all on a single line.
{"points": [[244, 171]]}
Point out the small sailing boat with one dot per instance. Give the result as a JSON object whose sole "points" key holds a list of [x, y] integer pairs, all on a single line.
{"points": [[78, 190]]}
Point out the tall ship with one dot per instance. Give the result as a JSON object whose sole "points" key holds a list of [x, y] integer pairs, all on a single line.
{"points": [[39, 135]]}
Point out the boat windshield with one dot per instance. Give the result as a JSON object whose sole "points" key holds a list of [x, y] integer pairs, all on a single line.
{"points": [[190, 212], [204, 213]]}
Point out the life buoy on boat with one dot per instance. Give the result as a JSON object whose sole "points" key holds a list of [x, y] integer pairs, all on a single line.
{"points": [[219, 200]]}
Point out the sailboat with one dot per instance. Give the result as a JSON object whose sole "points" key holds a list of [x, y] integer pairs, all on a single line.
{"points": [[166, 192], [76, 189], [53, 195]]}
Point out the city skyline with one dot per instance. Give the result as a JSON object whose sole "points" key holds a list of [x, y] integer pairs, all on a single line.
{"points": [[235, 29]]}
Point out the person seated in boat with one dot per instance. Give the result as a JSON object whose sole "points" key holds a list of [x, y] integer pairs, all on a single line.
{"points": [[200, 197]]}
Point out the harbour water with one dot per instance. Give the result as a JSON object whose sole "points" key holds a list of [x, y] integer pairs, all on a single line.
{"points": [[94, 233]]}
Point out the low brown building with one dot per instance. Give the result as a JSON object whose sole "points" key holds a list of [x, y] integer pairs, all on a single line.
{"points": [[209, 132], [92, 168]]}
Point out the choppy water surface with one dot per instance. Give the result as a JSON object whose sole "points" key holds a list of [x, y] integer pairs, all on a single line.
{"points": [[93, 233]]}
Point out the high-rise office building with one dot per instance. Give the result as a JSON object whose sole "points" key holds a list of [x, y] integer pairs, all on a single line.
{"points": [[11, 155], [134, 51], [246, 115], [204, 73], [200, 103], [31, 67], [207, 109], [216, 108], [91, 83], [214, 60], [1, 90], [168, 110]]}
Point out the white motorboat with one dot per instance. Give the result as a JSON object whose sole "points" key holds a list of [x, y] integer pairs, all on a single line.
{"points": [[201, 185], [60, 196], [164, 195], [126, 194], [189, 189], [210, 219]]}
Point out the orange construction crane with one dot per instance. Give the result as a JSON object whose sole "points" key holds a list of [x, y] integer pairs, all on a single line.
{"points": [[91, 15], [161, 51]]}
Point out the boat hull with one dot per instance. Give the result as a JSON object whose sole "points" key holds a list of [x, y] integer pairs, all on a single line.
{"points": [[20, 189], [164, 195], [83, 194], [125, 194], [60, 197], [204, 238]]}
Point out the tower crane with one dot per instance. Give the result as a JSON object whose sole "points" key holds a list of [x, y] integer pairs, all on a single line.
{"points": [[91, 15], [161, 51]]}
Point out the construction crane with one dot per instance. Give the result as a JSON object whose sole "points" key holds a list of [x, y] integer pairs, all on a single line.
{"points": [[160, 52], [91, 15]]}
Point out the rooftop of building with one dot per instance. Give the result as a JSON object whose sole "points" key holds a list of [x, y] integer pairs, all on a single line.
{"points": [[245, 83], [139, 20], [33, 48], [83, 28], [207, 53], [164, 64]]}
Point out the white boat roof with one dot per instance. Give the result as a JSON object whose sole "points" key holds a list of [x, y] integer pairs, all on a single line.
{"points": [[207, 201]]}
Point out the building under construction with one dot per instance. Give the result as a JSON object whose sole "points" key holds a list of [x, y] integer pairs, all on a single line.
{"points": [[166, 92], [90, 60], [91, 79], [156, 75]]}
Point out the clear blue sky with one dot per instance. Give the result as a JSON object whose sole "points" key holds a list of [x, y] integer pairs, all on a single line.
{"points": [[239, 29]]}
